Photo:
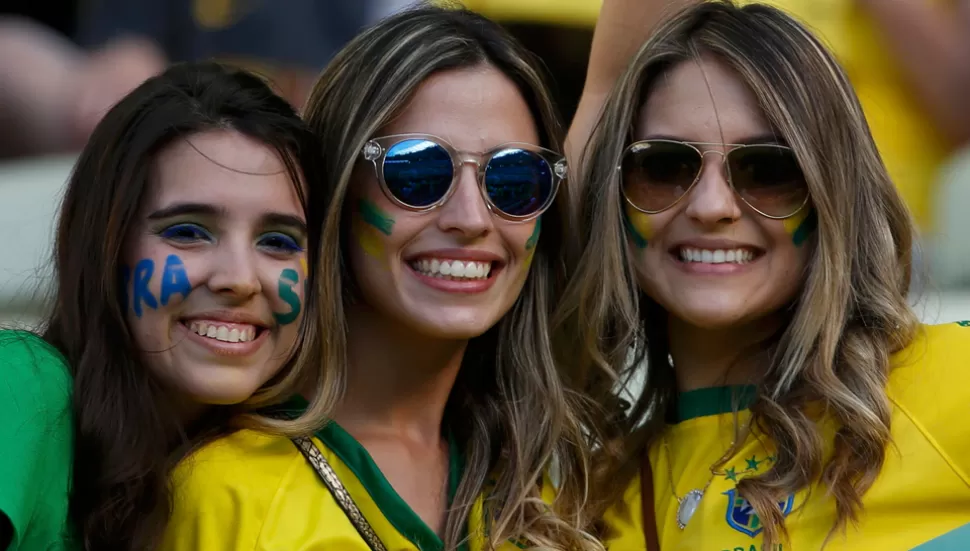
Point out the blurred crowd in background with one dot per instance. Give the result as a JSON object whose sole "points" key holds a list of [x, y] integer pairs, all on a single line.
{"points": [[63, 63]]}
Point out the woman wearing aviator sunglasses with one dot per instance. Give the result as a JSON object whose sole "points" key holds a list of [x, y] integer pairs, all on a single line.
{"points": [[440, 408], [745, 242]]}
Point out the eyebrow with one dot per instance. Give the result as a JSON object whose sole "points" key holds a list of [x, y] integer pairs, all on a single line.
{"points": [[181, 209], [213, 211], [284, 220]]}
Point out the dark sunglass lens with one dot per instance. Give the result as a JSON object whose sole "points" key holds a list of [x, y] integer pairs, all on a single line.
{"points": [[518, 182], [418, 172], [657, 173], [768, 178]]}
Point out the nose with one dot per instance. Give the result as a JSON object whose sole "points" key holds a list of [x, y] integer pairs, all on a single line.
{"points": [[234, 273], [712, 201], [465, 212]]}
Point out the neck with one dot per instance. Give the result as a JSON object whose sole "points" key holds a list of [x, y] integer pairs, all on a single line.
{"points": [[398, 381], [706, 357]]}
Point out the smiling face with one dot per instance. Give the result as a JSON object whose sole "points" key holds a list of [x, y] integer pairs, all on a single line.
{"points": [[711, 260], [214, 274], [454, 271]]}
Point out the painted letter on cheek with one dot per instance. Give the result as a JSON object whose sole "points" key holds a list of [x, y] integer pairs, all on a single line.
{"points": [[637, 226], [174, 279], [139, 288], [288, 278], [801, 226]]}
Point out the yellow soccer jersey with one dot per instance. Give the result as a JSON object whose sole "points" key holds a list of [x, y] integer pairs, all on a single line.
{"points": [[921, 499], [256, 492], [910, 145]]}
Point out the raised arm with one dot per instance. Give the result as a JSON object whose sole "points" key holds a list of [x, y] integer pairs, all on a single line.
{"points": [[623, 26], [932, 46]]}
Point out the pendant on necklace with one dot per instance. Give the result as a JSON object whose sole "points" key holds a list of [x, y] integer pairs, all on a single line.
{"points": [[688, 506]]}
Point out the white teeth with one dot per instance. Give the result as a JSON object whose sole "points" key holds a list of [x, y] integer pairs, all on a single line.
{"points": [[452, 269], [716, 256], [222, 333]]}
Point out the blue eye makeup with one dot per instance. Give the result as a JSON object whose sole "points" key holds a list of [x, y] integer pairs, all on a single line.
{"points": [[280, 242], [185, 233]]}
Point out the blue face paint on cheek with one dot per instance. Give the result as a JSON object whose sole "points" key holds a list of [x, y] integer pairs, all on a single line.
{"points": [[288, 278], [174, 279], [139, 289]]}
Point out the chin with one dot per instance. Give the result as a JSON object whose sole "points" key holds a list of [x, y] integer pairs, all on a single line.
{"points": [[454, 327]]}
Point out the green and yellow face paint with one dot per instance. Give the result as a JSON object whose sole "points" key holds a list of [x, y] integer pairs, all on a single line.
{"points": [[530, 244], [370, 226], [637, 225], [801, 226]]}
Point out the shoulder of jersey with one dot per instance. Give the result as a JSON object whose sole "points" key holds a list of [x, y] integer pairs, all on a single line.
{"points": [[244, 459]]}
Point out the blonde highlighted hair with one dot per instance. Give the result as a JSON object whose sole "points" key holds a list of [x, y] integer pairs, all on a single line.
{"points": [[849, 316], [509, 409]]}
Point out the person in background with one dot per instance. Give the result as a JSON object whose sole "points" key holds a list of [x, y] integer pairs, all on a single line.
{"points": [[54, 89]]}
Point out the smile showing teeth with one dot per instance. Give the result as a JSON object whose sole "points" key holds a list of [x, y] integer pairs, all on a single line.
{"points": [[452, 269], [220, 332], [716, 256]]}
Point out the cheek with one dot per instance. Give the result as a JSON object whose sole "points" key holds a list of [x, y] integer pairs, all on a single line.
{"points": [[290, 294], [532, 242], [801, 226], [639, 226], [151, 284], [371, 226]]}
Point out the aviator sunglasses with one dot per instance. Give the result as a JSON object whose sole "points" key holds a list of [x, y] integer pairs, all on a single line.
{"points": [[419, 171], [656, 174]]}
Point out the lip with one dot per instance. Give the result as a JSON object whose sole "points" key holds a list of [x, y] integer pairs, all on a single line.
{"points": [[221, 348]]}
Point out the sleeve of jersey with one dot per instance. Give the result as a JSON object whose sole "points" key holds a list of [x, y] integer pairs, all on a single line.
{"points": [[931, 385], [223, 496], [35, 432]]}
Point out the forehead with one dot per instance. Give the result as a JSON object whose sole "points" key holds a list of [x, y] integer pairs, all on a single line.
{"points": [[221, 167], [475, 109], [702, 100]]}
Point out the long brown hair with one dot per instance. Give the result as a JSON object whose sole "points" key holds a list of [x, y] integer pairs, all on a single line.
{"points": [[508, 408], [128, 435], [852, 310]]}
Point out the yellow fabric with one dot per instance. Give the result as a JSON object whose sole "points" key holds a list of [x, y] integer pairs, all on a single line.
{"points": [[920, 500], [560, 12], [252, 491]]}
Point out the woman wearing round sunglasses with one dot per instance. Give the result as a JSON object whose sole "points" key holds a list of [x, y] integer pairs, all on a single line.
{"points": [[745, 241], [441, 409]]}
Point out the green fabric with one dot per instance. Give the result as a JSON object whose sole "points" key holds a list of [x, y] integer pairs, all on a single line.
{"points": [[713, 401], [395, 509], [36, 436]]}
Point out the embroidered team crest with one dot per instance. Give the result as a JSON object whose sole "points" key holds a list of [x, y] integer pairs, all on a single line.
{"points": [[741, 515]]}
